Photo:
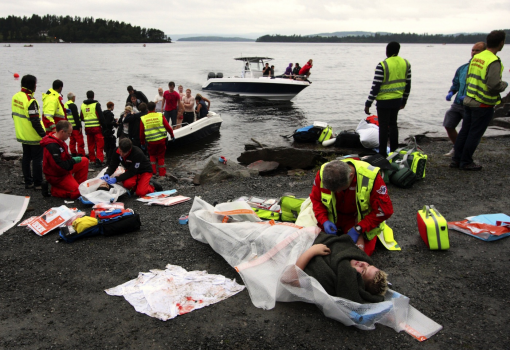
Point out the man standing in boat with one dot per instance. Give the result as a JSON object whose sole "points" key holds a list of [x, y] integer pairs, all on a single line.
{"points": [[172, 104], [189, 102], [153, 129], [391, 88]]}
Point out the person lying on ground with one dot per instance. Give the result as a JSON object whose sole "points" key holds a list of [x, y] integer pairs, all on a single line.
{"points": [[138, 175], [63, 172], [342, 269]]}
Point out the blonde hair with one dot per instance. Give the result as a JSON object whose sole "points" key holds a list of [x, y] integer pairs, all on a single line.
{"points": [[379, 285]]}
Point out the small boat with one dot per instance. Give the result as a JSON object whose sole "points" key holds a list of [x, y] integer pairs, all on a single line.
{"points": [[197, 130], [7, 45], [28, 45], [251, 83]]}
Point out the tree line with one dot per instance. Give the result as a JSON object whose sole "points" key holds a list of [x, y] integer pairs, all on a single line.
{"points": [[409, 38], [51, 28]]}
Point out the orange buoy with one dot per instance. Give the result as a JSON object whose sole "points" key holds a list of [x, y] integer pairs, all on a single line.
{"points": [[16, 75]]}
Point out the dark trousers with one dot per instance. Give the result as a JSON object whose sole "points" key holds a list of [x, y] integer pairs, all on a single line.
{"points": [[188, 118], [387, 123], [34, 154], [110, 146], [475, 122], [171, 117]]}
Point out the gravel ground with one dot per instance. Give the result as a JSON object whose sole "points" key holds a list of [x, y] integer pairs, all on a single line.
{"points": [[52, 294]]}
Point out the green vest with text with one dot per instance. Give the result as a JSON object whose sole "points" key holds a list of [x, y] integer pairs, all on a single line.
{"points": [[394, 82], [476, 81], [70, 116], [89, 115], [154, 127], [365, 176], [25, 132]]}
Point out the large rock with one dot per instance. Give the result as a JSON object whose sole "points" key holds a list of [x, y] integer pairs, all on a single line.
{"points": [[214, 171], [263, 167], [11, 156], [288, 157], [503, 122]]}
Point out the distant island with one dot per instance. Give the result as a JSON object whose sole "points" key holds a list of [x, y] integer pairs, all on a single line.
{"points": [[50, 28], [367, 37], [214, 38]]}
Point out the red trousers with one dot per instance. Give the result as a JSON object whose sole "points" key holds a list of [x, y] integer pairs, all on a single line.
{"points": [[77, 139], [141, 183], [95, 139], [49, 126], [157, 152], [67, 186]]}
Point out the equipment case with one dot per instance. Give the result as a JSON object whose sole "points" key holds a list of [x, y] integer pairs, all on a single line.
{"points": [[433, 228]]}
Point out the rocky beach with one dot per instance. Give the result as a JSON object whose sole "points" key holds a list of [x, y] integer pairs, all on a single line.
{"points": [[52, 293]]}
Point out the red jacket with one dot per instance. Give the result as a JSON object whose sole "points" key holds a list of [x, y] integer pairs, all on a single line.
{"points": [[305, 69], [380, 202], [57, 162]]}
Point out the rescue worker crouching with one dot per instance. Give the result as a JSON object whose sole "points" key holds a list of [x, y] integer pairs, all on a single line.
{"points": [[73, 117], [153, 129], [53, 108], [352, 196], [138, 174], [92, 116], [63, 172]]}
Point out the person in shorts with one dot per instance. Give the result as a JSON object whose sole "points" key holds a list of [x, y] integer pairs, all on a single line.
{"points": [[455, 114]]}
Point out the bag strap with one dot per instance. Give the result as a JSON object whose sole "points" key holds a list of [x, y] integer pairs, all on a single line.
{"points": [[432, 207], [426, 209]]}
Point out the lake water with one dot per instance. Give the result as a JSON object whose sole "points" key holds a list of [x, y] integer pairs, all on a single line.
{"points": [[342, 77]]}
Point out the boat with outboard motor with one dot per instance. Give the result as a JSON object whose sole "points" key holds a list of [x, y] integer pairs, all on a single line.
{"points": [[251, 83], [197, 130]]}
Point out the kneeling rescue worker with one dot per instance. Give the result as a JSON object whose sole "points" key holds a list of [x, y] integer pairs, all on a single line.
{"points": [[153, 129], [350, 196], [58, 165], [138, 174]]}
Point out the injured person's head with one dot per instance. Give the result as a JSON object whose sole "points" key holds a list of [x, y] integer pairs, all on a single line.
{"points": [[104, 187], [376, 281]]}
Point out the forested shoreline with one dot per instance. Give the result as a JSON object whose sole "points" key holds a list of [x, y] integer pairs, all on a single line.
{"points": [[50, 28], [409, 38]]}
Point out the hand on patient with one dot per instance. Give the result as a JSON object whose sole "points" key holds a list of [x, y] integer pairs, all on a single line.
{"points": [[329, 228]]}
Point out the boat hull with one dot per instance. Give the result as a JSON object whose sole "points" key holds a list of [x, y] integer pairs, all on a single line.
{"points": [[196, 131], [270, 89]]}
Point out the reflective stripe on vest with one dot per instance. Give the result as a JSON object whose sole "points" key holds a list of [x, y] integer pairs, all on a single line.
{"points": [[365, 176], [25, 132], [52, 108], [89, 115], [476, 81], [394, 82], [154, 127], [70, 116]]}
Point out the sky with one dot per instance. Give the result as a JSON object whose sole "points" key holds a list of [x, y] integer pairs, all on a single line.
{"points": [[252, 18]]}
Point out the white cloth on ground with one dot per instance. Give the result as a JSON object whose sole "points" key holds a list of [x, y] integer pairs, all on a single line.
{"points": [[168, 293]]}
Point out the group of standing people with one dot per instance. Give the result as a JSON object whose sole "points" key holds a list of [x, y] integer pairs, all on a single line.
{"points": [[142, 130]]}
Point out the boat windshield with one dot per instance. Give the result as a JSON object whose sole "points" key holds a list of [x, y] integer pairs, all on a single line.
{"points": [[252, 66]]}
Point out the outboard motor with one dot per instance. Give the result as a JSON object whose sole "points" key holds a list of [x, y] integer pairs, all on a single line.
{"points": [[219, 75], [211, 75]]}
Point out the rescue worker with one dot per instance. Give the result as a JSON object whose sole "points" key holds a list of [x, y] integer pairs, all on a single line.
{"points": [[63, 172], [484, 84], [92, 116], [391, 88], [53, 108], [138, 174], [350, 197], [153, 129], [29, 131], [73, 117]]}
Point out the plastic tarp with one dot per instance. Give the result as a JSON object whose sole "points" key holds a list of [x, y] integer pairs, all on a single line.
{"points": [[168, 293], [12, 209], [487, 227], [368, 134], [88, 189], [264, 253]]}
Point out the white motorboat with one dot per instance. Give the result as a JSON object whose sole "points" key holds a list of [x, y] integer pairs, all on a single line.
{"points": [[197, 130], [251, 83]]}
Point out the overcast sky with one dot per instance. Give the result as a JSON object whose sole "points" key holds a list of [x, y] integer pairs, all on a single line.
{"points": [[284, 16]]}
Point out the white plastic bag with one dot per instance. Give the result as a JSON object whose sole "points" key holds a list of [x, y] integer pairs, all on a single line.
{"points": [[88, 189], [264, 253], [368, 134]]}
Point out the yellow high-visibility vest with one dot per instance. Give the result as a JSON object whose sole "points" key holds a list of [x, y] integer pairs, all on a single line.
{"points": [[154, 127], [70, 116], [89, 115], [476, 81], [394, 82], [25, 132]]}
